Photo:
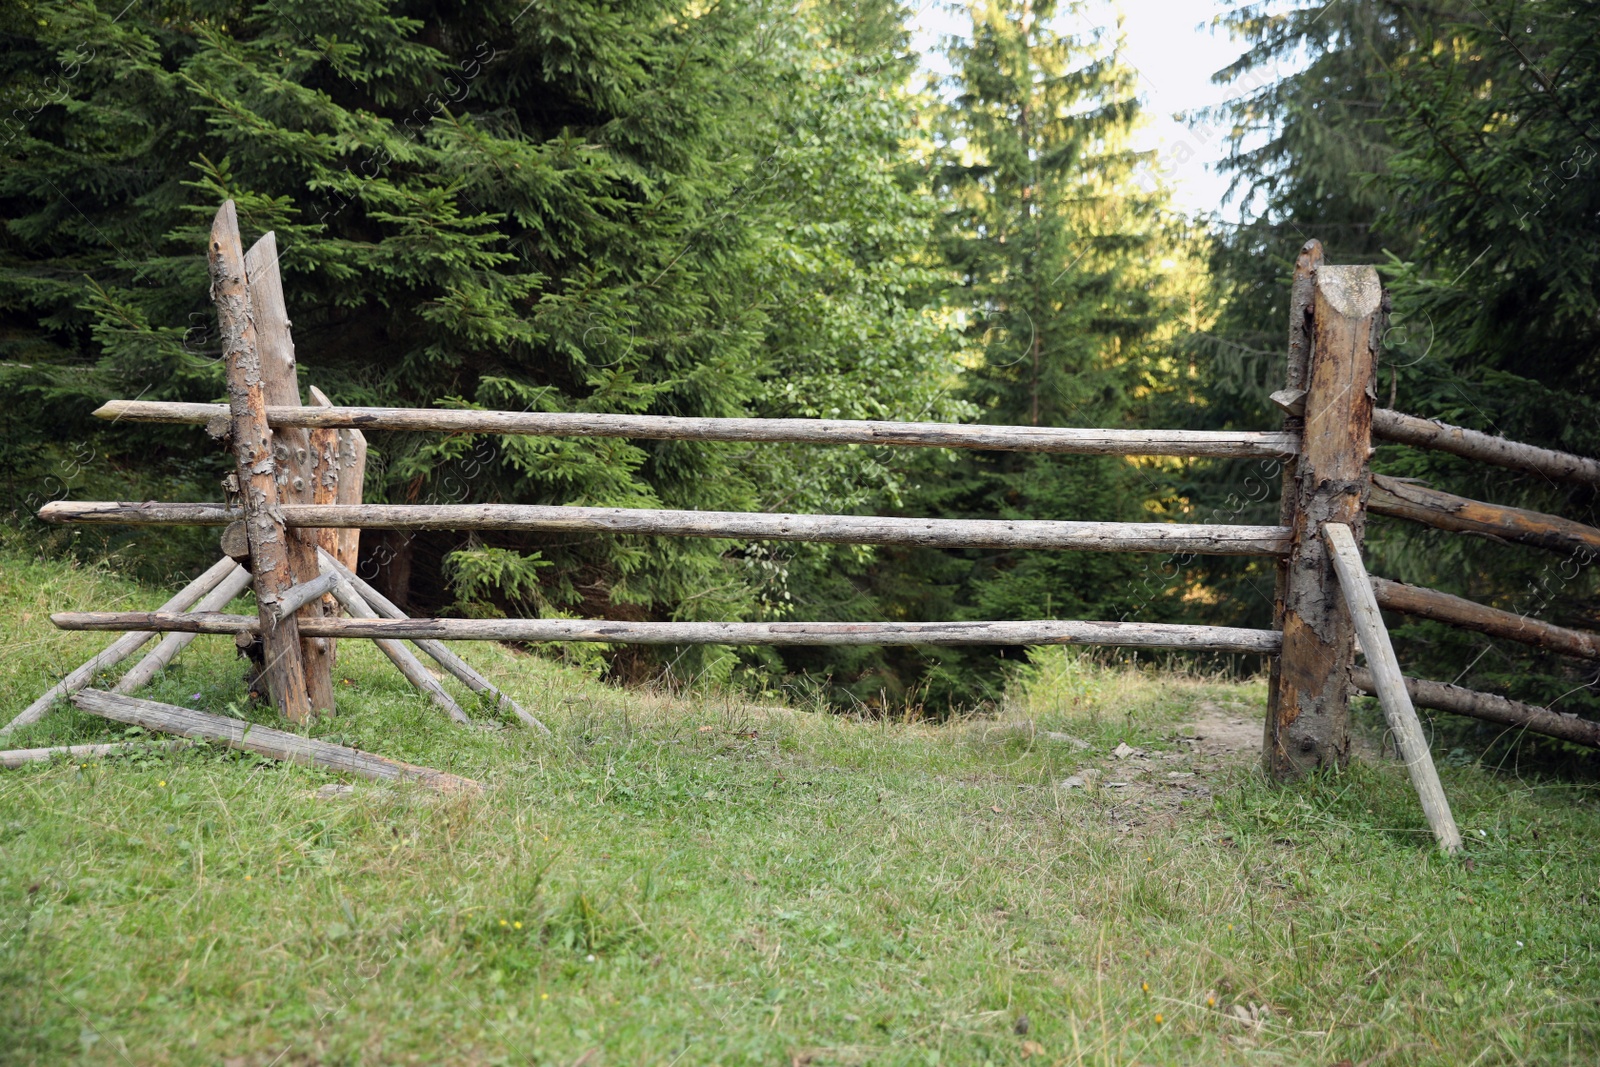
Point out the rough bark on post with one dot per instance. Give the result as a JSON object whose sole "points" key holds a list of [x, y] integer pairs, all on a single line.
{"points": [[347, 450], [291, 447], [1308, 714], [1301, 295], [257, 469]]}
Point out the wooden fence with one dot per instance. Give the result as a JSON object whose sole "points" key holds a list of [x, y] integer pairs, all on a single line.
{"points": [[294, 506]]}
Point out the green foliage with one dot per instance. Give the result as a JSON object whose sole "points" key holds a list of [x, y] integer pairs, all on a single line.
{"points": [[1453, 144], [644, 207], [1060, 302]]}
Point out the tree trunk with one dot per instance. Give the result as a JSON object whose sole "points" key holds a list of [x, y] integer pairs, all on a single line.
{"points": [[1308, 717]]}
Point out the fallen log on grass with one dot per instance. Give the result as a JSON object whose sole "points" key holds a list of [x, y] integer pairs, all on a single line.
{"points": [[1491, 708], [264, 740], [21, 757]]}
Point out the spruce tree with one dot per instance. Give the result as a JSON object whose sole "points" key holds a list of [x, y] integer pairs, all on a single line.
{"points": [[1054, 247], [645, 206]]}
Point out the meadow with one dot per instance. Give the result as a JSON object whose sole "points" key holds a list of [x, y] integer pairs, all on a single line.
{"points": [[1091, 872]]}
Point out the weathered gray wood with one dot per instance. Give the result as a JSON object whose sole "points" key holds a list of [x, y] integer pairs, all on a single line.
{"points": [[1404, 429], [291, 448], [440, 652], [1470, 615], [1390, 683], [1491, 708], [264, 741], [22, 757], [398, 654], [304, 593], [846, 529], [121, 648], [158, 658], [1052, 632], [1089, 442], [1308, 715], [256, 466], [1446, 511]]}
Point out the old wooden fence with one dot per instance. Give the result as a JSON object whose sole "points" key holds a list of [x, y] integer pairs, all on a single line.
{"points": [[295, 507]]}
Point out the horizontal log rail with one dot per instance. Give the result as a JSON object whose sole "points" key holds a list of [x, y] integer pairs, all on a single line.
{"points": [[1047, 632], [1403, 429], [1470, 615], [1089, 442], [1446, 511], [1491, 708], [838, 529]]}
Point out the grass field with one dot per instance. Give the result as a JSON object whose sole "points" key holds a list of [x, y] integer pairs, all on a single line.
{"points": [[705, 877]]}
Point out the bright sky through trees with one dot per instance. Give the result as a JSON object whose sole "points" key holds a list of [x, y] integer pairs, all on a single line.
{"points": [[1175, 51]]}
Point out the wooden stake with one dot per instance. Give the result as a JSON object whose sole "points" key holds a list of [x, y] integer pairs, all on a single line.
{"points": [[264, 741], [291, 447], [121, 648], [408, 664], [163, 654], [257, 468], [350, 469], [440, 652], [1308, 716], [1390, 683]]}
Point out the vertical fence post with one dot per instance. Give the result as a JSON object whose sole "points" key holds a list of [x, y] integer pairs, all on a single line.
{"points": [[1308, 715], [291, 448], [258, 486], [345, 453], [1292, 400]]}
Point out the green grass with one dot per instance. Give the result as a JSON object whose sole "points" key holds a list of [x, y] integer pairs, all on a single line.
{"points": [[707, 878]]}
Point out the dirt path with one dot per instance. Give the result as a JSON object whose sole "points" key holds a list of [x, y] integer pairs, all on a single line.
{"points": [[1143, 792]]}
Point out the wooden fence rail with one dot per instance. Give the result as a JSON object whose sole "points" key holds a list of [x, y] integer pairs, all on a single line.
{"points": [[298, 484], [836, 529], [1470, 615], [1446, 511], [1405, 429], [1066, 441], [1049, 632]]}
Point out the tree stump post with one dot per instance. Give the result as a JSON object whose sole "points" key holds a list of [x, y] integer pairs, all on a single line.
{"points": [[257, 467], [1292, 401], [1308, 714], [291, 448]]}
